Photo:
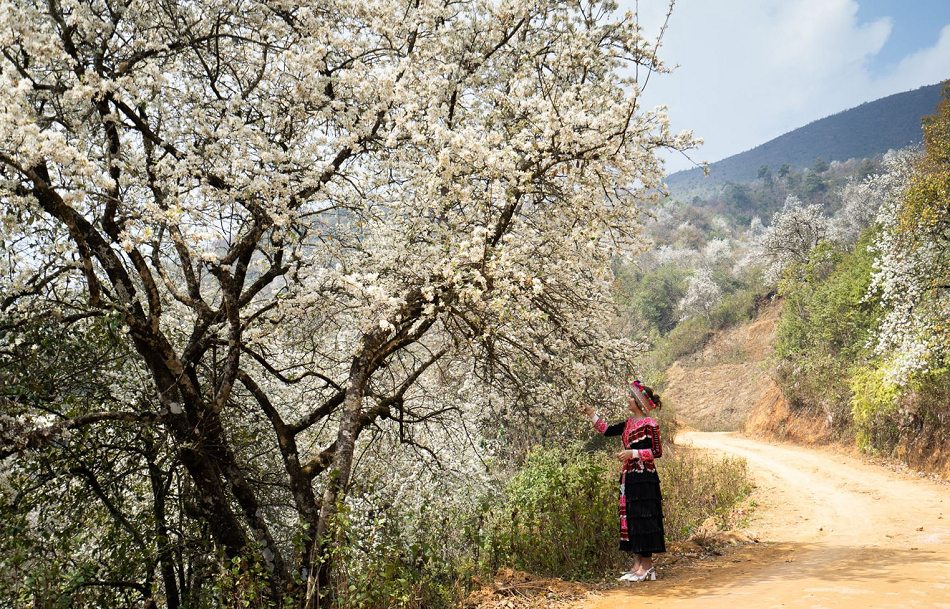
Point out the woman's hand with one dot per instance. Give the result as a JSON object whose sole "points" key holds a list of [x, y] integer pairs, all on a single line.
{"points": [[626, 455], [587, 410]]}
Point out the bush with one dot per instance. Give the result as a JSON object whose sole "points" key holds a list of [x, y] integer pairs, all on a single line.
{"points": [[913, 417], [559, 516], [697, 486], [387, 556], [874, 402], [825, 328], [925, 421], [653, 296], [734, 309]]}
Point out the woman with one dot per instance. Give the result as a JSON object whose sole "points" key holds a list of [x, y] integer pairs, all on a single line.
{"points": [[641, 509]]}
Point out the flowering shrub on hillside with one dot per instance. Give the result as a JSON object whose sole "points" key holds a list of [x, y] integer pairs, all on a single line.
{"points": [[912, 275]]}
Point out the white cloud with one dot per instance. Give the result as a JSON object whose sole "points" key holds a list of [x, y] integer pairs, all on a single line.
{"points": [[751, 70], [926, 66]]}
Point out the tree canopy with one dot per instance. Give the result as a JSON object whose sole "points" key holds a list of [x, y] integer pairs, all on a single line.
{"points": [[272, 227]]}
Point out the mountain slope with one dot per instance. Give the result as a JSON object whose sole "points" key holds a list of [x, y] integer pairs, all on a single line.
{"points": [[718, 387], [870, 129]]}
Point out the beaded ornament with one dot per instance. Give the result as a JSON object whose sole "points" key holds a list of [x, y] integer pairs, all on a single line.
{"points": [[639, 393]]}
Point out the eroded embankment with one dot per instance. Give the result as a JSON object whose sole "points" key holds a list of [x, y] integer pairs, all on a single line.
{"points": [[718, 388], [730, 385]]}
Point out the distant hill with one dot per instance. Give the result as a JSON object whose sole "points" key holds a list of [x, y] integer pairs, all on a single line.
{"points": [[870, 129]]}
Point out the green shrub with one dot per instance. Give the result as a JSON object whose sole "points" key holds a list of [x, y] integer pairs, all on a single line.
{"points": [[653, 296], [559, 517], [874, 402], [929, 404], [914, 416], [734, 309], [825, 327], [385, 557]]}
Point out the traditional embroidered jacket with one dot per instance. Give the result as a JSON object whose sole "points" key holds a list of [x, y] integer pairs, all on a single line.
{"points": [[632, 432]]}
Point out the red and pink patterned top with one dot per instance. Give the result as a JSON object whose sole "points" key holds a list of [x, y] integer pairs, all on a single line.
{"points": [[645, 432]]}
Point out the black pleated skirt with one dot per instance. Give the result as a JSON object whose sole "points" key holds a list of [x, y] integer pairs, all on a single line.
{"points": [[644, 513]]}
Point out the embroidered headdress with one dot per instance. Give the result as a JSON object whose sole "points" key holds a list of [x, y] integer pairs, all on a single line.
{"points": [[639, 393]]}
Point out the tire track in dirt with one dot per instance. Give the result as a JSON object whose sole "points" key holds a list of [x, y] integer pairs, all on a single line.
{"points": [[834, 532]]}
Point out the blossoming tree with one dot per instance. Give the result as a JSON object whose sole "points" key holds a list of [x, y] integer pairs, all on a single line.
{"points": [[299, 217], [702, 294], [790, 239], [913, 256]]}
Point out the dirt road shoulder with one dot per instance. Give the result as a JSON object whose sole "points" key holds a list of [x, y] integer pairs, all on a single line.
{"points": [[833, 531]]}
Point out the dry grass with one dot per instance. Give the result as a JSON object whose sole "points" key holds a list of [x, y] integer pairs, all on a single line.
{"points": [[510, 588], [698, 489]]}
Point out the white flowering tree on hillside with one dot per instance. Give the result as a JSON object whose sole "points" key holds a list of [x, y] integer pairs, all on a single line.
{"points": [[861, 202], [702, 294], [296, 219], [790, 238], [912, 267], [717, 251]]}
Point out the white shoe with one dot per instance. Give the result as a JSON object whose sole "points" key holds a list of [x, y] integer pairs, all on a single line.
{"points": [[649, 575]]}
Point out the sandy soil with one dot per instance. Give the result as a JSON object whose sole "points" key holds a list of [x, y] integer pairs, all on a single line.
{"points": [[833, 531]]}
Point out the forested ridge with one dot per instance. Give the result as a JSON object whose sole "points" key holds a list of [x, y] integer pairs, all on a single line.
{"points": [[865, 131]]}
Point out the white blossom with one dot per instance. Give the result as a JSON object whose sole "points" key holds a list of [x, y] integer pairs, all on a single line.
{"points": [[794, 232], [702, 294], [905, 269], [861, 202], [716, 251], [319, 198]]}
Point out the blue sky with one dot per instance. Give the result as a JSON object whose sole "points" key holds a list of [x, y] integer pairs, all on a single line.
{"points": [[916, 25], [751, 70]]}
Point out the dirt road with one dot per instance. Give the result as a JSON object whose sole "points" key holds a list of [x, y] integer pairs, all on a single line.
{"points": [[833, 532]]}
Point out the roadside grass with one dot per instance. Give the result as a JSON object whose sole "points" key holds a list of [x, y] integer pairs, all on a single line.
{"points": [[559, 514], [556, 517]]}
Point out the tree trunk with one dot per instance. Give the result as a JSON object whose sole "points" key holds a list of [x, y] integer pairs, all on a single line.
{"points": [[165, 559], [337, 481]]}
